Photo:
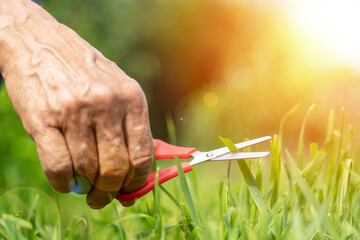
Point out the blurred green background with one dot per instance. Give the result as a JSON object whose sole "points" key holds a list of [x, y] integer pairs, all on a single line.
{"points": [[217, 68], [255, 57]]}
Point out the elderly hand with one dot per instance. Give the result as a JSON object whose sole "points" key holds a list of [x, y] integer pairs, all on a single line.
{"points": [[87, 117]]}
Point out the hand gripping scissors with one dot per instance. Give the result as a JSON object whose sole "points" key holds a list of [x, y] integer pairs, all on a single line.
{"points": [[164, 150]]}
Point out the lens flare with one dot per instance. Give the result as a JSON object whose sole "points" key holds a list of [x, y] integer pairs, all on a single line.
{"points": [[210, 99], [79, 186]]}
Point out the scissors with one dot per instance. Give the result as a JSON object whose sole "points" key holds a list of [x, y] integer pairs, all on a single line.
{"points": [[164, 150]]}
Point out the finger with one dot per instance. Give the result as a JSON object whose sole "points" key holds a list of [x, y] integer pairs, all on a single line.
{"points": [[55, 158], [92, 165], [113, 162], [140, 147], [127, 203], [127, 181], [80, 140], [97, 198]]}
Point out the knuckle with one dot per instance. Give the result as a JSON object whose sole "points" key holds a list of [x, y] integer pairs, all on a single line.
{"points": [[115, 172], [70, 104], [132, 93], [143, 162], [103, 95], [36, 120], [142, 156], [33, 125]]}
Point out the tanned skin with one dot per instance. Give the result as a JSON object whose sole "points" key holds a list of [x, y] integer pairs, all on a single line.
{"points": [[87, 117]]}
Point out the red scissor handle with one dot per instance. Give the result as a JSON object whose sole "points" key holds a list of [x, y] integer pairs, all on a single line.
{"points": [[164, 175], [164, 150]]}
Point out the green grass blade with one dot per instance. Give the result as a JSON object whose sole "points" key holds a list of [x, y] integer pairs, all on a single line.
{"points": [[232, 194], [282, 122], [251, 184], [300, 152], [171, 197], [337, 159], [309, 195], [342, 120], [186, 192], [316, 163], [229, 144], [73, 227], [329, 129], [195, 234], [22, 223], [154, 165], [230, 234], [348, 144], [344, 185], [159, 225], [249, 178], [223, 199], [275, 171]]}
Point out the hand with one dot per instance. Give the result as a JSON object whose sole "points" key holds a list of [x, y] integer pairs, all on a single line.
{"points": [[87, 117]]}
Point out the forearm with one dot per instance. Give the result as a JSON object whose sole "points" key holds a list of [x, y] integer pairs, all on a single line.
{"points": [[29, 36]]}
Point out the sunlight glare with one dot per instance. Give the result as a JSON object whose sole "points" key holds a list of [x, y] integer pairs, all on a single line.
{"points": [[334, 23]]}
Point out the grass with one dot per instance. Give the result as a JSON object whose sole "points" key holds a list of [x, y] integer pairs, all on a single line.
{"points": [[280, 197]]}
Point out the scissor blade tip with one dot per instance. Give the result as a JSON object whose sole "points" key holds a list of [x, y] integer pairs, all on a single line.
{"points": [[241, 155], [261, 154], [266, 153]]}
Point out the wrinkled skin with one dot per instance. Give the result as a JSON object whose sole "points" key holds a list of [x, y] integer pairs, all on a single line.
{"points": [[87, 117]]}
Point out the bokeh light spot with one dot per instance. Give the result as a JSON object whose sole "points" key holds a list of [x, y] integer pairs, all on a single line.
{"points": [[241, 78], [79, 186], [210, 99], [181, 119], [138, 147]]}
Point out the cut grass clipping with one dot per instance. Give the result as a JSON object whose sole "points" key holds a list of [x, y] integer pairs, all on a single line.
{"points": [[285, 196]]}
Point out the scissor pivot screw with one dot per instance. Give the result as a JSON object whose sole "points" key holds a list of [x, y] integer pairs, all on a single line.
{"points": [[210, 154]]}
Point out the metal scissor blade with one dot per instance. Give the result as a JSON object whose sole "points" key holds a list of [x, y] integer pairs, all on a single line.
{"points": [[240, 155], [252, 142], [200, 157]]}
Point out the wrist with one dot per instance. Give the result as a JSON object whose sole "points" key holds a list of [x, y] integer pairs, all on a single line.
{"points": [[23, 27]]}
